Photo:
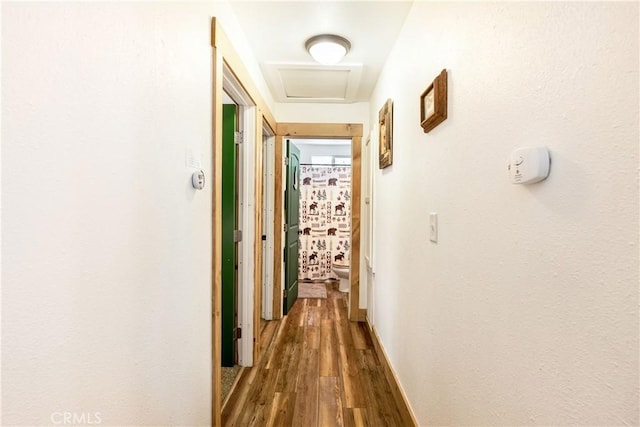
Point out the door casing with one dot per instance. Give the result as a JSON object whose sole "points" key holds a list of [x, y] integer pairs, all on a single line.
{"points": [[226, 62]]}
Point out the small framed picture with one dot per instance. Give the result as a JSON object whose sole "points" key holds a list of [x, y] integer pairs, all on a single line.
{"points": [[433, 103], [385, 140]]}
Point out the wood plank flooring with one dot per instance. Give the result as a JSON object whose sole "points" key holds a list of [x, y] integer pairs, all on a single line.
{"points": [[317, 369]]}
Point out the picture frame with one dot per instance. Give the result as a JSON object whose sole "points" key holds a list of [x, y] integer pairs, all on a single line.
{"points": [[385, 134], [433, 103]]}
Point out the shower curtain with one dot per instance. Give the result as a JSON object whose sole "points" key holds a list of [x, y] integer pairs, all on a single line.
{"points": [[325, 220]]}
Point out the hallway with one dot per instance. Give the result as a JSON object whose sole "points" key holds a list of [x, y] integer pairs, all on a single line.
{"points": [[496, 302], [317, 369]]}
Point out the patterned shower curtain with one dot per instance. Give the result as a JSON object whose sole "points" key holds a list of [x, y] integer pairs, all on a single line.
{"points": [[325, 220]]}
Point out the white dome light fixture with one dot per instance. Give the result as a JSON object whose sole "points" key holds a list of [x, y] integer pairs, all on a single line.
{"points": [[327, 49]]}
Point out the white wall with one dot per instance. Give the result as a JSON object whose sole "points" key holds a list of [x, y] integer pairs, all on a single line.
{"points": [[307, 151], [526, 310], [357, 112], [106, 280]]}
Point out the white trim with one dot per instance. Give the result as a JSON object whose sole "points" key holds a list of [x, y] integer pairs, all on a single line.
{"points": [[373, 152], [245, 249], [246, 189], [369, 161], [268, 220], [279, 288], [234, 89]]}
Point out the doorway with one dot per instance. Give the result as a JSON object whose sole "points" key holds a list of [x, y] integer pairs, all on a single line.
{"points": [[325, 211], [239, 225], [231, 79], [317, 131]]}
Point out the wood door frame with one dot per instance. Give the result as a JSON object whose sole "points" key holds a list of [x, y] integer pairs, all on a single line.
{"points": [[327, 131], [224, 56]]}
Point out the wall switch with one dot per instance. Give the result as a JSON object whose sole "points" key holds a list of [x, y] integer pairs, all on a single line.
{"points": [[433, 227]]}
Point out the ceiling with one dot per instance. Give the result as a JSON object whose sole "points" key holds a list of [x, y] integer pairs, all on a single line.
{"points": [[277, 31]]}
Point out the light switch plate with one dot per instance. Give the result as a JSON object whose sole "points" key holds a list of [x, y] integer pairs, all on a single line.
{"points": [[433, 227]]}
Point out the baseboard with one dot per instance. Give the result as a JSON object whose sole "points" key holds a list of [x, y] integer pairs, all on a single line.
{"points": [[408, 417], [362, 315]]}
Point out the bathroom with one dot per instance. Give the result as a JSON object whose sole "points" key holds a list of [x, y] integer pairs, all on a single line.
{"points": [[325, 211]]}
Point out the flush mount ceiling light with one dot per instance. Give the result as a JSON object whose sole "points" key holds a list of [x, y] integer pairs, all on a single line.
{"points": [[327, 49]]}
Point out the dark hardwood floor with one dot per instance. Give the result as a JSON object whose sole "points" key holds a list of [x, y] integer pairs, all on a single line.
{"points": [[317, 369]]}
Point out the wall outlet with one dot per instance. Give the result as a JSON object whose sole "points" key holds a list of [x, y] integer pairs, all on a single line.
{"points": [[433, 227]]}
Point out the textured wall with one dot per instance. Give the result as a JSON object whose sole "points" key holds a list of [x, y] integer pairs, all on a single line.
{"points": [[526, 310], [357, 112], [309, 150], [106, 280]]}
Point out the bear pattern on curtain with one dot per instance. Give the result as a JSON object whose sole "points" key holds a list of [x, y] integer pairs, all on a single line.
{"points": [[325, 220]]}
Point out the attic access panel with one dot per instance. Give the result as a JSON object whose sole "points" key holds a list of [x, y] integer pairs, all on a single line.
{"points": [[331, 84], [313, 83]]}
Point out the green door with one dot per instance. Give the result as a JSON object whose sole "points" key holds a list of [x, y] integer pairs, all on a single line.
{"points": [[229, 308], [292, 208]]}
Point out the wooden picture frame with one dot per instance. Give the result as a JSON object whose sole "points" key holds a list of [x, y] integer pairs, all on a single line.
{"points": [[385, 133], [433, 103]]}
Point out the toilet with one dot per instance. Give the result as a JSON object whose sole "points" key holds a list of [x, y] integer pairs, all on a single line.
{"points": [[341, 268]]}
